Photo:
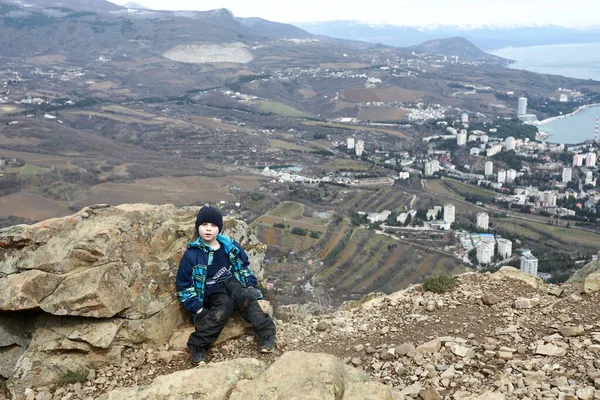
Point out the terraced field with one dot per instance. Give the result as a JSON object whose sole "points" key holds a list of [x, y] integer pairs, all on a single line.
{"points": [[388, 198], [370, 262]]}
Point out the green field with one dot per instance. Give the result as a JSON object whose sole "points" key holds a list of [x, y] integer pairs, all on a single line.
{"points": [[553, 237], [281, 109], [28, 169], [461, 187]]}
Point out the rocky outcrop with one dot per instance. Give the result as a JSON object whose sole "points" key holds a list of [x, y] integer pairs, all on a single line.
{"points": [[79, 289], [406, 345], [505, 335], [587, 279], [296, 375]]}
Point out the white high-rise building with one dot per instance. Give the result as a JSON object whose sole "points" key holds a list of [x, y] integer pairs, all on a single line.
{"points": [[431, 167], [350, 143], [504, 248], [567, 174], [464, 118], [549, 198], [522, 106], [589, 178], [502, 176], [461, 139], [485, 252], [578, 160], [483, 221], [510, 144], [529, 264], [511, 174], [494, 149], [590, 160], [489, 168], [359, 147], [449, 211]]}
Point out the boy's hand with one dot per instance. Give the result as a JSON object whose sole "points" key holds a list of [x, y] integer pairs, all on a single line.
{"points": [[199, 311]]}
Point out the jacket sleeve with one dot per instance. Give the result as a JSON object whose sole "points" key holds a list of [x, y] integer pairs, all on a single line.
{"points": [[246, 271], [186, 292]]}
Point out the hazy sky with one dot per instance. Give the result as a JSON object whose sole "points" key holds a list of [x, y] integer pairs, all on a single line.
{"points": [[572, 13]]}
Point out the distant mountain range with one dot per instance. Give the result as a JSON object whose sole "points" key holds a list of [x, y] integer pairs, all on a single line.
{"points": [[487, 38], [84, 29]]}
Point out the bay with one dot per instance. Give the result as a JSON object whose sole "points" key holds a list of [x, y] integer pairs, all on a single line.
{"points": [[572, 128], [579, 60]]}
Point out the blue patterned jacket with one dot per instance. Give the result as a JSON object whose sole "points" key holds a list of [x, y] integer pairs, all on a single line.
{"points": [[191, 274]]}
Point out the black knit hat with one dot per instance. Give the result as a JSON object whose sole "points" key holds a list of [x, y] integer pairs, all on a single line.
{"points": [[210, 214]]}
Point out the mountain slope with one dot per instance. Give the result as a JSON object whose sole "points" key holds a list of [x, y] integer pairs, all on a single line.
{"points": [[61, 28], [458, 47], [275, 29]]}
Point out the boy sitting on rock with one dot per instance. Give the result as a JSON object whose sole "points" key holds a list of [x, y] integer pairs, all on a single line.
{"points": [[213, 280]]}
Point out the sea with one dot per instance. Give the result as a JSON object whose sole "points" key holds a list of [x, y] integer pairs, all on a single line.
{"points": [[579, 60], [572, 128]]}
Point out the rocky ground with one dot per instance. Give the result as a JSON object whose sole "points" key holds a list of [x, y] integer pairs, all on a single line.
{"points": [[493, 335]]}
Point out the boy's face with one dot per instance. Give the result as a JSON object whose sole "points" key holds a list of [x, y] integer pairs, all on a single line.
{"points": [[208, 231]]}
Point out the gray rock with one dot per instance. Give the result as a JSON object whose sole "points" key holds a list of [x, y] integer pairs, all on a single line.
{"points": [[523, 303], [490, 299], [569, 331], [550, 350]]}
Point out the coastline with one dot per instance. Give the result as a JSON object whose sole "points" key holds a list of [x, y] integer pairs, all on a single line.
{"points": [[580, 108]]}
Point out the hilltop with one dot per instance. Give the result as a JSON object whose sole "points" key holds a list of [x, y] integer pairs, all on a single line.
{"points": [[458, 47], [73, 325]]}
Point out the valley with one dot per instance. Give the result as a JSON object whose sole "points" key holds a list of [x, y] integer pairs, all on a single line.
{"points": [[163, 108]]}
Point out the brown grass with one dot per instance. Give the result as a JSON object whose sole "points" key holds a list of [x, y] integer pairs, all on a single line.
{"points": [[211, 123], [116, 117], [4, 140], [32, 206], [358, 128], [270, 236], [281, 144], [44, 160], [383, 94], [168, 190], [127, 111], [381, 114], [307, 92], [341, 105]]}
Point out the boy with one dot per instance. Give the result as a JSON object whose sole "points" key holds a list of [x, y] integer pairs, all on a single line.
{"points": [[213, 280]]}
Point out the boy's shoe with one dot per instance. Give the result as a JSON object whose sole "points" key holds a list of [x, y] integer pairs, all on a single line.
{"points": [[266, 343], [198, 355]]}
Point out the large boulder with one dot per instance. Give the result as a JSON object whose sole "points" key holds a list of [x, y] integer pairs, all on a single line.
{"points": [[586, 279], [93, 283], [514, 273], [296, 375]]}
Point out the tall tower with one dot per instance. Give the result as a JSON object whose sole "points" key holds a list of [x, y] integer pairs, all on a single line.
{"points": [[522, 106]]}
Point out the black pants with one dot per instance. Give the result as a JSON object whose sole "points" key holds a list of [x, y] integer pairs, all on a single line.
{"points": [[219, 306]]}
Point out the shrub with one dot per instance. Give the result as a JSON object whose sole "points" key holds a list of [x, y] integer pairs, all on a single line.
{"points": [[315, 235], [279, 225], [73, 377], [299, 231], [439, 283]]}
